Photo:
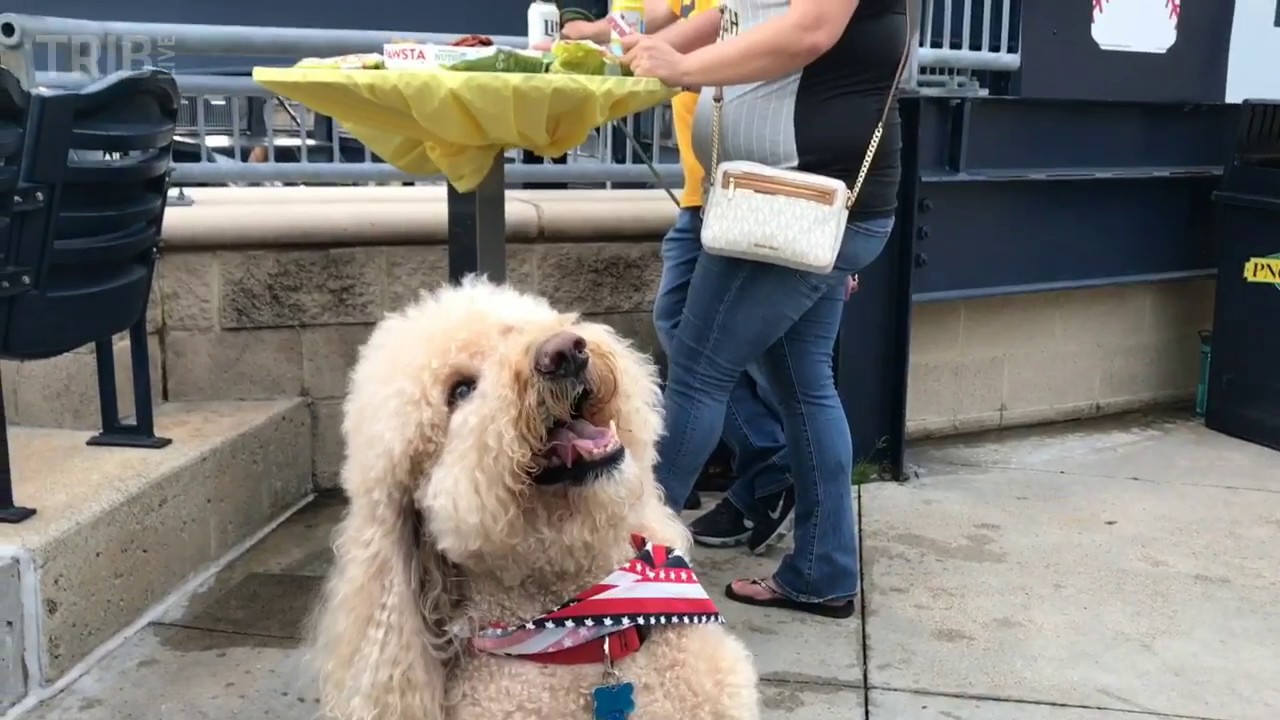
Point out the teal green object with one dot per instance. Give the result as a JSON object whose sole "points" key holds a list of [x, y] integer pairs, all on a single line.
{"points": [[1202, 390], [614, 702]]}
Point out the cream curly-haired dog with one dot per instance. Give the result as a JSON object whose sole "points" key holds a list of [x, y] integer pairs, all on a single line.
{"points": [[499, 459]]}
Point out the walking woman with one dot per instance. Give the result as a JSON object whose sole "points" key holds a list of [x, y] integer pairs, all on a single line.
{"points": [[805, 84]]}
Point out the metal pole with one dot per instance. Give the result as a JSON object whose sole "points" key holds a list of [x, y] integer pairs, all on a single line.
{"points": [[478, 228], [369, 172], [969, 60], [9, 513], [17, 30], [19, 59], [911, 74], [875, 329]]}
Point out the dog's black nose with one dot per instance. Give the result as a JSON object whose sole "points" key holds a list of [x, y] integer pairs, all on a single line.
{"points": [[562, 355]]}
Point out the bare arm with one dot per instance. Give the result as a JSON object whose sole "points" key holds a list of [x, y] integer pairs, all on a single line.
{"points": [[658, 15], [693, 33], [771, 49], [584, 20], [594, 30]]}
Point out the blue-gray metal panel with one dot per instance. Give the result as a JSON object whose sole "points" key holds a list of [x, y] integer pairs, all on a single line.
{"points": [[1003, 133], [1007, 196], [992, 238], [1019, 193]]}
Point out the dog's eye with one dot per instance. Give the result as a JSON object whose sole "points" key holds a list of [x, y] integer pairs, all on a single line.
{"points": [[461, 390]]}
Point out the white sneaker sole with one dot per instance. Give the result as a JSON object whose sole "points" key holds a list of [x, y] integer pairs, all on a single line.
{"points": [[778, 535], [722, 542]]}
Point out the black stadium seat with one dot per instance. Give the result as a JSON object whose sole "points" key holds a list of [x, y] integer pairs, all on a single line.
{"points": [[14, 104], [86, 173]]}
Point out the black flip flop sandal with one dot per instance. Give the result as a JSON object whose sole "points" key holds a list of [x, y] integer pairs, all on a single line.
{"points": [[837, 612]]}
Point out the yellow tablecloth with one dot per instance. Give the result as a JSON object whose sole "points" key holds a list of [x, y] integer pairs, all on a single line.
{"points": [[455, 123]]}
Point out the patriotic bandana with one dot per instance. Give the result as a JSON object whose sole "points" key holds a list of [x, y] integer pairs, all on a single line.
{"points": [[657, 587]]}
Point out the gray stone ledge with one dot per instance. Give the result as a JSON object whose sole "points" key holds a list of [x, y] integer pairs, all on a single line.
{"points": [[241, 218]]}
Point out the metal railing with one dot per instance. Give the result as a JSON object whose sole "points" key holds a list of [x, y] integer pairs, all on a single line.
{"points": [[958, 40], [232, 131]]}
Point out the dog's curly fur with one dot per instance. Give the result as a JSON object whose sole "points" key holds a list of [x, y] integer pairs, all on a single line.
{"points": [[445, 531]]}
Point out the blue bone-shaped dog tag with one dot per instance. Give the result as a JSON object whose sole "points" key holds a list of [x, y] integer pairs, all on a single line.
{"points": [[614, 702]]}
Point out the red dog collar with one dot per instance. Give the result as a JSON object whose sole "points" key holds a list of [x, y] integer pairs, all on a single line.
{"points": [[621, 644]]}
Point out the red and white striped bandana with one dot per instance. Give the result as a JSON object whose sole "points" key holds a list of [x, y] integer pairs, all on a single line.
{"points": [[656, 587]]}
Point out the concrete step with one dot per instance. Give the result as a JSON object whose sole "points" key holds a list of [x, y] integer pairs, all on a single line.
{"points": [[233, 647], [119, 529]]}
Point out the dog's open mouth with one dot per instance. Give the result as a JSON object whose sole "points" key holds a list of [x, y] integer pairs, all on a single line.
{"points": [[577, 450]]}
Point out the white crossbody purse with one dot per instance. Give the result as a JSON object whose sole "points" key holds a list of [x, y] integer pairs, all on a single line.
{"points": [[783, 217]]}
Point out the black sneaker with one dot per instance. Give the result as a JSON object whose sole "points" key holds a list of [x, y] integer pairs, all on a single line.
{"points": [[722, 526], [777, 516], [717, 473]]}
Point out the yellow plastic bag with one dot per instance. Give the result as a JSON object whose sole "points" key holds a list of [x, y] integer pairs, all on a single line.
{"points": [[428, 121]]}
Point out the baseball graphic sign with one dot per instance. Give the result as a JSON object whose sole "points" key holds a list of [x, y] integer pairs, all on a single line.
{"points": [[1145, 26]]}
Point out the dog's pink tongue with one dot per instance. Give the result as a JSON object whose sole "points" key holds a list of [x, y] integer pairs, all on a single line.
{"points": [[577, 438], [587, 431]]}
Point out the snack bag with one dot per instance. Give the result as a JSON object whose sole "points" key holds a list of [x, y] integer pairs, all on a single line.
{"points": [[578, 57], [504, 60]]}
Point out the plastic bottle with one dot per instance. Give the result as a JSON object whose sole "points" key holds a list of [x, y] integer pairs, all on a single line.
{"points": [[544, 22]]}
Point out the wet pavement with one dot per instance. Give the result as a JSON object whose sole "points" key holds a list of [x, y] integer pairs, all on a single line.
{"points": [[1124, 568]]}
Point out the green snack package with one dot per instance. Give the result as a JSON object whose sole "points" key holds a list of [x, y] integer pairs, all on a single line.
{"points": [[503, 60]]}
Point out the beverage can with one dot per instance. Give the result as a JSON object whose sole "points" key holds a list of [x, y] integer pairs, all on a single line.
{"points": [[544, 22]]}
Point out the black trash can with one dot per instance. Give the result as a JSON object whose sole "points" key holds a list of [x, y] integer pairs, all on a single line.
{"points": [[1244, 377]]}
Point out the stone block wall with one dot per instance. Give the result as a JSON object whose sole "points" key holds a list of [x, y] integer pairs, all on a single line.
{"points": [[279, 307], [1027, 359], [279, 323]]}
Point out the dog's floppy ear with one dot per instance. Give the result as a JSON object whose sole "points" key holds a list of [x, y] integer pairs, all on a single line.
{"points": [[380, 635], [381, 655]]}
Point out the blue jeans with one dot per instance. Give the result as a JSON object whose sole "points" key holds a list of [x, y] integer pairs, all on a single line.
{"points": [[739, 312], [752, 423]]}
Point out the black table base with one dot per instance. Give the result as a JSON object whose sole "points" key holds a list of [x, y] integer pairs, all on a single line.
{"points": [[478, 228]]}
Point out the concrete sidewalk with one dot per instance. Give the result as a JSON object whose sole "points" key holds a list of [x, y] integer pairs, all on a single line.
{"points": [[1106, 570]]}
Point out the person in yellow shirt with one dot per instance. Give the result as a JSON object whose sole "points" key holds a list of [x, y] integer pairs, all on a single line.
{"points": [[757, 511], [660, 14]]}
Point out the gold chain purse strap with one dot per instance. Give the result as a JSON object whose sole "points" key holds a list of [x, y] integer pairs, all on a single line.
{"points": [[717, 103]]}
